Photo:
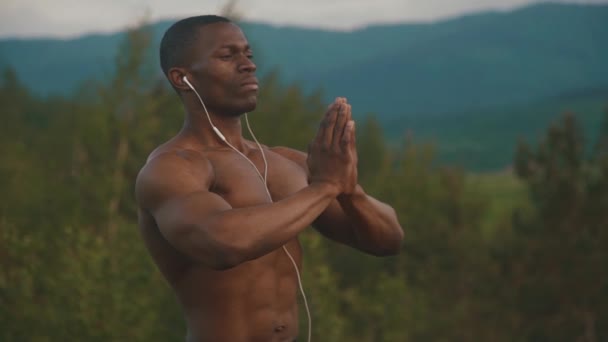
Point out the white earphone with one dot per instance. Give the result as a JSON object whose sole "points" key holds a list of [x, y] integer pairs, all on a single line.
{"points": [[215, 129], [263, 178]]}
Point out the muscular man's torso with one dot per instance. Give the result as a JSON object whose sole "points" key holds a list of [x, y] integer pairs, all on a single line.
{"points": [[257, 300]]}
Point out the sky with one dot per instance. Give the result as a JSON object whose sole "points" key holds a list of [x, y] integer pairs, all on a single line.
{"points": [[72, 18]]}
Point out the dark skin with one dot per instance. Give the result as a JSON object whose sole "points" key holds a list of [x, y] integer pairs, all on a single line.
{"points": [[207, 220]]}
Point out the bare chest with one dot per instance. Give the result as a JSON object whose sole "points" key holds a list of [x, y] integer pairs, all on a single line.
{"points": [[241, 185]]}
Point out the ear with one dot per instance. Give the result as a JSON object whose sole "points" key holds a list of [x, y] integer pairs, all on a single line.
{"points": [[175, 76]]}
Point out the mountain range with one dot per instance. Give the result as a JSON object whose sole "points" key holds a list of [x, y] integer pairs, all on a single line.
{"points": [[428, 77]]}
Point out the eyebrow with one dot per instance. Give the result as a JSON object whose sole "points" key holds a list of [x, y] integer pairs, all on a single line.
{"points": [[234, 47]]}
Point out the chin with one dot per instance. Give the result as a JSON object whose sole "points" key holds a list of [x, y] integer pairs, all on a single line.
{"points": [[242, 108], [250, 104], [237, 106]]}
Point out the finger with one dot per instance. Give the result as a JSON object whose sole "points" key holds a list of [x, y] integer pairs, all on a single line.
{"points": [[347, 118], [330, 123], [323, 124], [350, 113], [353, 139], [346, 139], [326, 122], [353, 142], [329, 108], [340, 125]]}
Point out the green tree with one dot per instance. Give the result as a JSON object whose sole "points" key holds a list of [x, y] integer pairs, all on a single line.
{"points": [[558, 249]]}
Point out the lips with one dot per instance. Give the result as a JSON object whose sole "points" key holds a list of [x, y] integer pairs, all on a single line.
{"points": [[250, 84]]}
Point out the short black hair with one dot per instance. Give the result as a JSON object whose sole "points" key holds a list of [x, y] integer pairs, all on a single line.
{"points": [[180, 36]]}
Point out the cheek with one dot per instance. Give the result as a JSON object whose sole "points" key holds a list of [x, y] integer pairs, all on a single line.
{"points": [[213, 74], [212, 82], [221, 81], [214, 88]]}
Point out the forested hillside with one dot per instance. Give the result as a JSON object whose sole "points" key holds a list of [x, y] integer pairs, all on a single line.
{"points": [[512, 256]]}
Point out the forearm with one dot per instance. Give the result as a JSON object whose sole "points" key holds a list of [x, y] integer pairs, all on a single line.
{"points": [[242, 234], [374, 224]]}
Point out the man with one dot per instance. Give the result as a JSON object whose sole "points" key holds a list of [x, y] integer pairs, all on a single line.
{"points": [[205, 214]]}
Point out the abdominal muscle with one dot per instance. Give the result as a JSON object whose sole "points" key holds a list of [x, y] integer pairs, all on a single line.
{"points": [[255, 301]]}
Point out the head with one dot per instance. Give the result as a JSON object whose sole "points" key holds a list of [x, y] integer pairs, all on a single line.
{"points": [[214, 55]]}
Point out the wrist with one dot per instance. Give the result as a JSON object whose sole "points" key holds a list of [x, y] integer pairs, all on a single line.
{"points": [[358, 193], [326, 187]]}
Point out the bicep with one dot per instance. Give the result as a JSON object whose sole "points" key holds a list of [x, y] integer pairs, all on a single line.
{"points": [[180, 217], [174, 190]]}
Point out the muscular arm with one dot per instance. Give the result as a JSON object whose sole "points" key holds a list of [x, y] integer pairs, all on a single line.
{"points": [[174, 189], [362, 222], [357, 219], [201, 224]]}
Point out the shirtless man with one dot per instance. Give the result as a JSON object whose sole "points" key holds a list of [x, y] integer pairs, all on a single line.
{"points": [[204, 212]]}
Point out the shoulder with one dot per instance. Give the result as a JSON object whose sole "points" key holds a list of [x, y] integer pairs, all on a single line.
{"points": [[294, 155], [172, 173]]}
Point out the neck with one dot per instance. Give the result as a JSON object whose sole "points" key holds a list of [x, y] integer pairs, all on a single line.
{"points": [[197, 125]]}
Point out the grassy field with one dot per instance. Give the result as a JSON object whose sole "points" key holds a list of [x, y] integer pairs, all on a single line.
{"points": [[503, 192]]}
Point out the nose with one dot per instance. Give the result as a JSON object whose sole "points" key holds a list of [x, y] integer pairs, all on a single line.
{"points": [[247, 65]]}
